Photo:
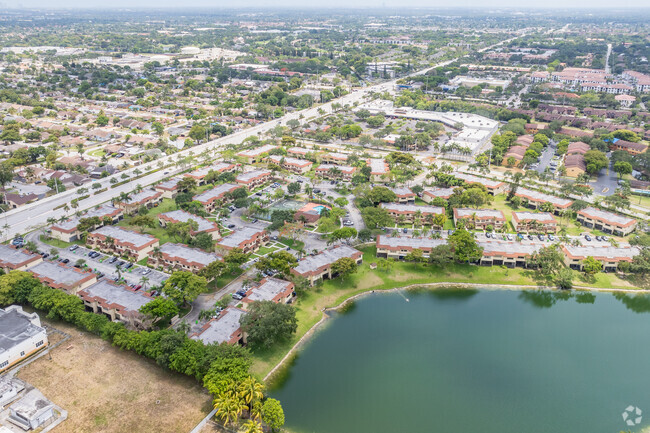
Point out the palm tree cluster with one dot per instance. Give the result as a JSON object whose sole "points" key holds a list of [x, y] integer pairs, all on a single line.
{"points": [[241, 399]]}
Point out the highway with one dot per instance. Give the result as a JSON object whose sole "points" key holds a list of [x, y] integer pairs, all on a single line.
{"points": [[34, 215]]}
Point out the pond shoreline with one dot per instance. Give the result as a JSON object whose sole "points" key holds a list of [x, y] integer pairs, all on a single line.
{"points": [[430, 286]]}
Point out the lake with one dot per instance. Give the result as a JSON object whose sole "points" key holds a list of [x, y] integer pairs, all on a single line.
{"points": [[474, 361]]}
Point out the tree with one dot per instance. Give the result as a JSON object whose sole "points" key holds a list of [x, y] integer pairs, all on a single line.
{"points": [[235, 258], [441, 255], [197, 132], [183, 287], [253, 426], [622, 168], [267, 323], [228, 407], [272, 414], [465, 246], [102, 119], [293, 188], [143, 221], [376, 217], [591, 266], [16, 287], [280, 261], [203, 241], [213, 270], [595, 160], [564, 279], [365, 235], [548, 259], [343, 267], [344, 233], [160, 308], [416, 255], [186, 184]]}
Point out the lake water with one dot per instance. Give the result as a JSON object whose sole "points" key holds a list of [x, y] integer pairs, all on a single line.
{"points": [[474, 361]]}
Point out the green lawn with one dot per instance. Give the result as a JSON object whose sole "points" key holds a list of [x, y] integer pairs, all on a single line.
{"points": [[159, 233], [295, 245], [330, 293], [58, 243]]}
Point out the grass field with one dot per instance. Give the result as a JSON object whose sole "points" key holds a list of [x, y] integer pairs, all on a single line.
{"points": [[330, 293], [108, 390]]}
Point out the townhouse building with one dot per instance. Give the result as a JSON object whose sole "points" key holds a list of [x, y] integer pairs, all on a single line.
{"points": [[270, 289], [215, 197], [120, 303], [168, 188], [67, 231], [179, 257], [59, 276], [200, 174], [329, 171], [22, 336], [224, 329], [494, 187], [253, 179], [409, 213], [319, 266], [535, 199], [608, 222], [294, 165], [479, 218], [181, 216], [334, 158], [298, 152], [609, 256], [404, 195], [247, 239], [535, 222], [379, 170], [397, 247], [430, 194], [122, 242], [255, 155], [507, 253], [147, 197], [14, 259]]}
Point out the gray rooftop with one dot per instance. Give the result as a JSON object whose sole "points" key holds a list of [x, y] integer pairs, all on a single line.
{"points": [[480, 213], [539, 196], [258, 151], [183, 216], [611, 217], [14, 256], [192, 255], [268, 290], [100, 212], [119, 295], [378, 166], [409, 242], [169, 183], [250, 175], [121, 235], [234, 239], [59, 274], [16, 326], [289, 160], [623, 251], [203, 171], [338, 155], [215, 192], [439, 192], [324, 258], [31, 404], [508, 247], [469, 178], [405, 207], [299, 150], [541, 217], [144, 195], [402, 190], [343, 168], [220, 330]]}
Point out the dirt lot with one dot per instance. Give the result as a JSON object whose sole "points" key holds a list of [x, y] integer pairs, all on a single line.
{"points": [[107, 390]]}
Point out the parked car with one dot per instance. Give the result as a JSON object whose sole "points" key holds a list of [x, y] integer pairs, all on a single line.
{"points": [[598, 238], [74, 247], [510, 237], [604, 238], [231, 226], [588, 238], [530, 237], [113, 260], [551, 237], [237, 297], [128, 266], [405, 230], [65, 261], [541, 237]]}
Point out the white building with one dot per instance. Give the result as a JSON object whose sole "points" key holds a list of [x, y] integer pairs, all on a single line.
{"points": [[21, 335]]}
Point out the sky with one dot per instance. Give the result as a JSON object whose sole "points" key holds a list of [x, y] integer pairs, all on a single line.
{"points": [[222, 4]]}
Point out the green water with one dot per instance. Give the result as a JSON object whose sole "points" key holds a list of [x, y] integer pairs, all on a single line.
{"points": [[474, 361]]}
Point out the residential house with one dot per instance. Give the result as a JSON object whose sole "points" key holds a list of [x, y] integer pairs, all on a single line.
{"points": [[607, 222], [409, 213], [120, 303], [609, 256], [214, 197], [404, 195], [181, 257], [294, 165], [494, 187], [397, 247], [224, 329], [181, 216], [535, 199], [334, 158], [247, 239], [479, 218], [168, 188], [428, 195], [507, 253], [14, 259], [269, 289], [534, 222], [122, 242], [329, 171], [319, 266], [147, 197], [379, 170], [200, 174], [60, 276], [253, 179]]}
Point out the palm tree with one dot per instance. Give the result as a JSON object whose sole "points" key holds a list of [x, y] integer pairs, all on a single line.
{"points": [[144, 280], [228, 407], [250, 390], [253, 427]]}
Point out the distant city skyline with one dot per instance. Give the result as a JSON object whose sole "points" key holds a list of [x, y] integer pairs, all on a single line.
{"points": [[300, 4]]}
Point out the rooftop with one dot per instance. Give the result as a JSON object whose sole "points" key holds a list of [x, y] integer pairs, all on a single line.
{"points": [[609, 217], [378, 166], [439, 192], [215, 193], [101, 212], [258, 151], [123, 236], [622, 252], [268, 289], [402, 191], [470, 178], [404, 207], [220, 330], [116, 296], [542, 217], [16, 326], [423, 243], [251, 175], [324, 258], [480, 213], [509, 248], [540, 196], [183, 216], [142, 196], [169, 183], [59, 274], [15, 257], [234, 239], [187, 254]]}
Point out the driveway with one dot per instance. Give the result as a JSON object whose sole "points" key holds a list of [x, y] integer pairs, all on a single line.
{"points": [[607, 181], [546, 157]]}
